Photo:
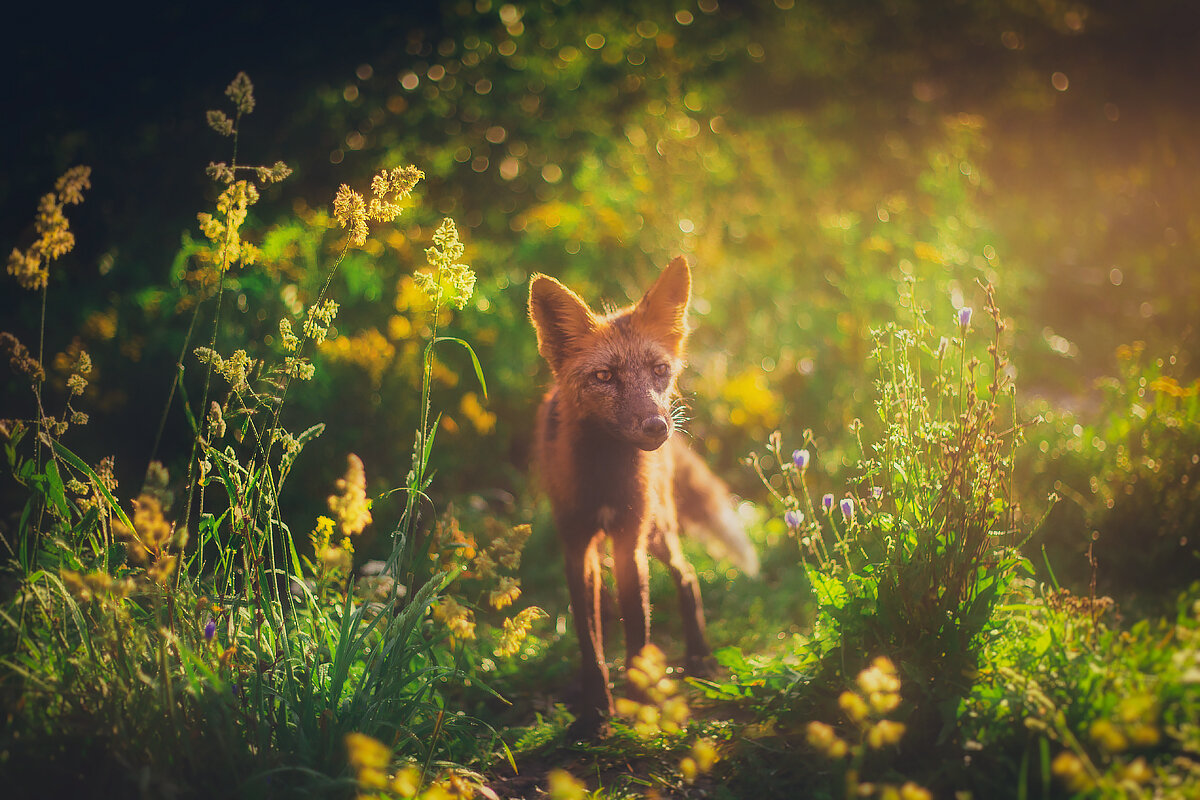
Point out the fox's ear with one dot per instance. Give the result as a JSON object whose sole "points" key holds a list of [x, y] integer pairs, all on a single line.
{"points": [[663, 310], [560, 317]]}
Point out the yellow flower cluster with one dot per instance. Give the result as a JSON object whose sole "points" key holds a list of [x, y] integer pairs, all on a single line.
{"points": [[388, 189], [31, 268], [147, 541], [562, 785], [449, 281], [350, 505], [515, 630], [370, 759], [701, 760], [235, 369], [664, 709], [97, 585], [19, 358], [319, 318], [878, 692], [334, 560], [288, 340], [241, 92], [909, 791], [1134, 726], [455, 616], [503, 551], [104, 471], [229, 248], [1072, 771]]}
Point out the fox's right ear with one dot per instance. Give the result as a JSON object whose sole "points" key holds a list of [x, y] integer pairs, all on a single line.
{"points": [[560, 317]]}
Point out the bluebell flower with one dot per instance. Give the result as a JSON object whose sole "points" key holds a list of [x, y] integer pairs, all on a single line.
{"points": [[800, 459], [210, 629], [876, 492], [848, 507], [827, 503], [793, 518], [964, 316]]}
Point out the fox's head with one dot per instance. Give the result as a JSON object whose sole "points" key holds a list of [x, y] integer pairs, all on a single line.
{"points": [[617, 369]]}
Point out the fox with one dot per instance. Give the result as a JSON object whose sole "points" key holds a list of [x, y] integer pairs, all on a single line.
{"points": [[609, 456]]}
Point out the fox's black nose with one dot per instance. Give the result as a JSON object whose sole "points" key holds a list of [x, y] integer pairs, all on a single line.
{"points": [[655, 428]]}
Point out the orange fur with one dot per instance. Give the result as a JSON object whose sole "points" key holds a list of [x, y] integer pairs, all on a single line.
{"points": [[600, 439]]}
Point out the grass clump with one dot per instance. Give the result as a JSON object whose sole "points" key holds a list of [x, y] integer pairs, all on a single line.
{"points": [[183, 640]]}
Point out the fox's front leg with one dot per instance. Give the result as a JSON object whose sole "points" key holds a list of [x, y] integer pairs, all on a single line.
{"points": [[633, 588], [583, 579]]}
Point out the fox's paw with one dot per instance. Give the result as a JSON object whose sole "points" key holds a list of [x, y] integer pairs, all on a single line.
{"points": [[704, 666], [589, 726]]}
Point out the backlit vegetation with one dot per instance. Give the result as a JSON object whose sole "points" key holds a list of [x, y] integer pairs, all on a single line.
{"points": [[267, 520]]}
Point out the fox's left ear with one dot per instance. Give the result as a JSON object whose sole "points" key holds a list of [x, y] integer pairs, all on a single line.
{"points": [[663, 310]]}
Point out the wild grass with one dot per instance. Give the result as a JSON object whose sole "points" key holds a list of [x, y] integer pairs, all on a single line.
{"points": [[215, 655]]}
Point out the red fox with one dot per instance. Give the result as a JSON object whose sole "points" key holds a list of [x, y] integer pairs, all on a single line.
{"points": [[611, 466]]}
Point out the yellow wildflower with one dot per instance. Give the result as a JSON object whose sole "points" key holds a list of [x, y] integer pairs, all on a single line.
{"points": [[31, 267], [459, 619], [407, 782], [448, 282], [562, 785], [150, 533], [287, 339], [705, 753], [885, 733], [515, 630], [911, 791], [1108, 736], [506, 593], [350, 209], [854, 706], [350, 505], [72, 184], [241, 92], [1071, 771], [369, 758], [879, 677], [823, 738]]}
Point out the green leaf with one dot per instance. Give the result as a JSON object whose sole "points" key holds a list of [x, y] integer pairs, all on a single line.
{"points": [[55, 489], [474, 360], [79, 464]]}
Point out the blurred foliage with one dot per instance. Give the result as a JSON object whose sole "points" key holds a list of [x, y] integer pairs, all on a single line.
{"points": [[1128, 475]]}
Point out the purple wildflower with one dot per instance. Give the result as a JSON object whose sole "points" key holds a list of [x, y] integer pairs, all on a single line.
{"points": [[827, 503], [964, 316], [847, 507], [793, 518], [876, 492], [210, 629], [800, 458]]}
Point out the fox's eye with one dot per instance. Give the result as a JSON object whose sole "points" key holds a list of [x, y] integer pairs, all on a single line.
{"points": [[662, 370], [603, 375]]}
